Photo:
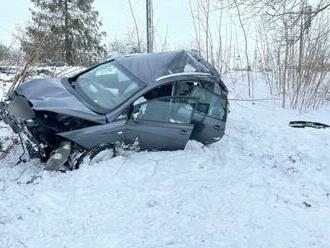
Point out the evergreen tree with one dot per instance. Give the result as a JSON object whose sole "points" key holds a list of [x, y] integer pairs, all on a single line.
{"points": [[65, 30]]}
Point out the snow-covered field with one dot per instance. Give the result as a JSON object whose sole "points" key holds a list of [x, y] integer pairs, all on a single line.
{"points": [[263, 185]]}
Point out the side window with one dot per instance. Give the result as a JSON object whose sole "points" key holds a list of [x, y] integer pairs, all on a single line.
{"points": [[158, 92], [185, 88], [166, 109], [218, 88], [210, 103], [208, 85], [161, 91]]}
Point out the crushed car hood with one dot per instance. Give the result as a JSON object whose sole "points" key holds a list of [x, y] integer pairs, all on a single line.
{"points": [[52, 95]]}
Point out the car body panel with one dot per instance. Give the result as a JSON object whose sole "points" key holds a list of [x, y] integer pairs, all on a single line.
{"points": [[52, 95], [101, 134], [152, 135], [207, 130], [210, 126], [150, 66], [20, 108]]}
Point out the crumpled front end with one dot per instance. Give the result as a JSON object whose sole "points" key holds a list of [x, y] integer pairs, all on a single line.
{"points": [[17, 112], [38, 110], [38, 130]]}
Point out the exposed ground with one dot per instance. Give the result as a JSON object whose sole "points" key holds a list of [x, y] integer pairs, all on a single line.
{"points": [[263, 185]]}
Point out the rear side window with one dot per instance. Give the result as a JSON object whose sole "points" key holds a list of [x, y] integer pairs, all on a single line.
{"points": [[185, 88], [166, 109], [216, 105]]}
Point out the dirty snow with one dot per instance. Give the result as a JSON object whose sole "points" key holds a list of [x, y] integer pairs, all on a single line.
{"points": [[263, 185]]}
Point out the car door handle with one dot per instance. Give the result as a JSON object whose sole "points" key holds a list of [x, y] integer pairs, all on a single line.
{"points": [[217, 127], [183, 132]]}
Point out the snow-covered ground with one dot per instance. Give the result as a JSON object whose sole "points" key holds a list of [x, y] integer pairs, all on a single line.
{"points": [[263, 185]]}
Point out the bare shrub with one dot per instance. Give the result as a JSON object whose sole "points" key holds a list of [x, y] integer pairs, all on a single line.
{"points": [[296, 59]]}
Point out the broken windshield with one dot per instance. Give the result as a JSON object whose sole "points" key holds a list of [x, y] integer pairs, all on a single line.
{"points": [[107, 85]]}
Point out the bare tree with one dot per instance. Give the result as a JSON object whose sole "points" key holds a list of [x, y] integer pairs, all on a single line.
{"points": [[293, 47], [302, 51], [209, 40], [201, 14], [248, 66], [195, 19], [136, 27], [165, 41]]}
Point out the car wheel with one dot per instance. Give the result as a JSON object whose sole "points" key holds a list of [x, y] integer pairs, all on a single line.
{"points": [[95, 155]]}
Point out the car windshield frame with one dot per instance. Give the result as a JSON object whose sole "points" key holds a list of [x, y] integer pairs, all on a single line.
{"points": [[91, 101]]}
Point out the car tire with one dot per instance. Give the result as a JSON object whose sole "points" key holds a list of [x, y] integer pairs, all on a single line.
{"points": [[95, 155]]}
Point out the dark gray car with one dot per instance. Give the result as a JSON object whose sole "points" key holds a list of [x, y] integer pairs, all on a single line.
{"points": [[155, 101]]}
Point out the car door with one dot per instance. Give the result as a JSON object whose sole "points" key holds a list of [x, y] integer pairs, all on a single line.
{"points": [[161, 123], [209, 117]]}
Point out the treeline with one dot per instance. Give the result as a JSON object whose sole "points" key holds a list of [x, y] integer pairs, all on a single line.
{"points": [[288, 41]]}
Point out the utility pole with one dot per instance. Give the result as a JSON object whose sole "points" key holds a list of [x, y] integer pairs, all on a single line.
{"points": [[150, 26]]}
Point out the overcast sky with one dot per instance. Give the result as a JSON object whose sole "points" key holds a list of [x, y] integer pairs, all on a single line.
{"points": [[171, 15], [168, 14]]}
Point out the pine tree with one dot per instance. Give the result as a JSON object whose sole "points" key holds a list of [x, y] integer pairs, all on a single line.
{"points": [[65, 30]]}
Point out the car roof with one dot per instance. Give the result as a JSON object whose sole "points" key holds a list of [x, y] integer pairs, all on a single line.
{"points": [[148, 67]]}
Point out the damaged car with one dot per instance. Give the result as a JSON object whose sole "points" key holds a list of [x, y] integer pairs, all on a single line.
{"points": [[154, 101]]}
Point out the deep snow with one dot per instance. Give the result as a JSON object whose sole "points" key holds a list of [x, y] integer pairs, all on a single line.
{"points": [[263, 185]]}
